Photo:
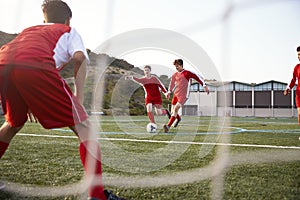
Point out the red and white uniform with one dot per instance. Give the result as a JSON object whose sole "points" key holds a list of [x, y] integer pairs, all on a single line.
{"points": [[152, 88], [29, 78], [296, 76], [181, 81]]}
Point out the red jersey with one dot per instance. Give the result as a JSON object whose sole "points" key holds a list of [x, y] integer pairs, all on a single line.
{"points": [[152, 88], [45, 46], [182, 81], [296, 76]]}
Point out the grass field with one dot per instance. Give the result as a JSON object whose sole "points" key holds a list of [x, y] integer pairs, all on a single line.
{"points": [[254, 158]]}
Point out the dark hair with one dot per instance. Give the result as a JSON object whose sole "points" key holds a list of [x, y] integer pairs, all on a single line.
{"points": [[178, 61], [56, 11], [298, 48], [147, 66]]}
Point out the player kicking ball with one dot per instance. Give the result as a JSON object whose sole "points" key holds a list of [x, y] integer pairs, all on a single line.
{"points": [[30, 81], [296, 76], [152, 87], [181, 81]]}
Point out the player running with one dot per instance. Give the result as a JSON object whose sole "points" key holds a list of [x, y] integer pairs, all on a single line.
{"points": [[181, 81], [152, 87], [296, 76], [29, 80]]}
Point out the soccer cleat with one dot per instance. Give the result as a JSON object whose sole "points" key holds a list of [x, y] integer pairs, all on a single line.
{"points": [[177, 122], [166, 128], [110, 196], [168, 113], [2, 185]]}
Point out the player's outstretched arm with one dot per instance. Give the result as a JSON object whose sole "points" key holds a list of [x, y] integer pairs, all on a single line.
{"points": [[160, 85]]}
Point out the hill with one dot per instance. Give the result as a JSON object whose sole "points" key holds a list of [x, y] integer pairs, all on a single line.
{"points": [[6, 37], [118, 96]]}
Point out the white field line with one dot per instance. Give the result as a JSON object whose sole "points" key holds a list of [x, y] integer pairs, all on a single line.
{"points": [[170, 142], [189, 176]]}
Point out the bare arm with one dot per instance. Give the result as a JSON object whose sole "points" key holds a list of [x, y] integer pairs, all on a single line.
{"points": [[80, 67]]}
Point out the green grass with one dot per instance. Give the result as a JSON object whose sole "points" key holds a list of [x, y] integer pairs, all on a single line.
{"points": [[54, 162]]}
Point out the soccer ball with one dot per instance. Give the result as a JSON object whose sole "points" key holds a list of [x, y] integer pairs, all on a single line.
{"points": [[151, 128]]}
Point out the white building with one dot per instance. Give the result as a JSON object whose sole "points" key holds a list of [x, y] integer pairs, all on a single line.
{"points": [[241, 99]]}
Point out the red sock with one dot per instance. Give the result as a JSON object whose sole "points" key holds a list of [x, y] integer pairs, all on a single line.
{"points": [[178, 117], [3, 147], [171, 121], [151, 117], [96, 190]]}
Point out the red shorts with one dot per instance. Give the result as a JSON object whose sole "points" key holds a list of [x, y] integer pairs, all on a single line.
{"points": [[180, 100], [156, 101], [44, 92]]}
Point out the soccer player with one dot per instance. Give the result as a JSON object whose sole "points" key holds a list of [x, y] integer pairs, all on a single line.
{"points": [[152, 87], [181, 82], [296, 77], [30, 81]]}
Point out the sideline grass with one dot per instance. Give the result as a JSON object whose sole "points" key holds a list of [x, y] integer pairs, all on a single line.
{"points": [[48, 162]]}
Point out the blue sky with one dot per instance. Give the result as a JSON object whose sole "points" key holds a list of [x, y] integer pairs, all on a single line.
{"points": [[255, 43]]}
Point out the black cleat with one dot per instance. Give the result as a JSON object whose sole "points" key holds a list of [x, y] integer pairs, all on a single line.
{"points": [[110, 196], [166, 128], [177, 122], [168, 113]]}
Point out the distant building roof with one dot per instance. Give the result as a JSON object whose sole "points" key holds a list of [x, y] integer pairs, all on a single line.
{"points": [[216, 83], [240, 86]]}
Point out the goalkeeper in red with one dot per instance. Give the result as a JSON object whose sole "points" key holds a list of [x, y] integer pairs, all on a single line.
{"points": [[181, 81], [153, 88], [296, 77]]}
